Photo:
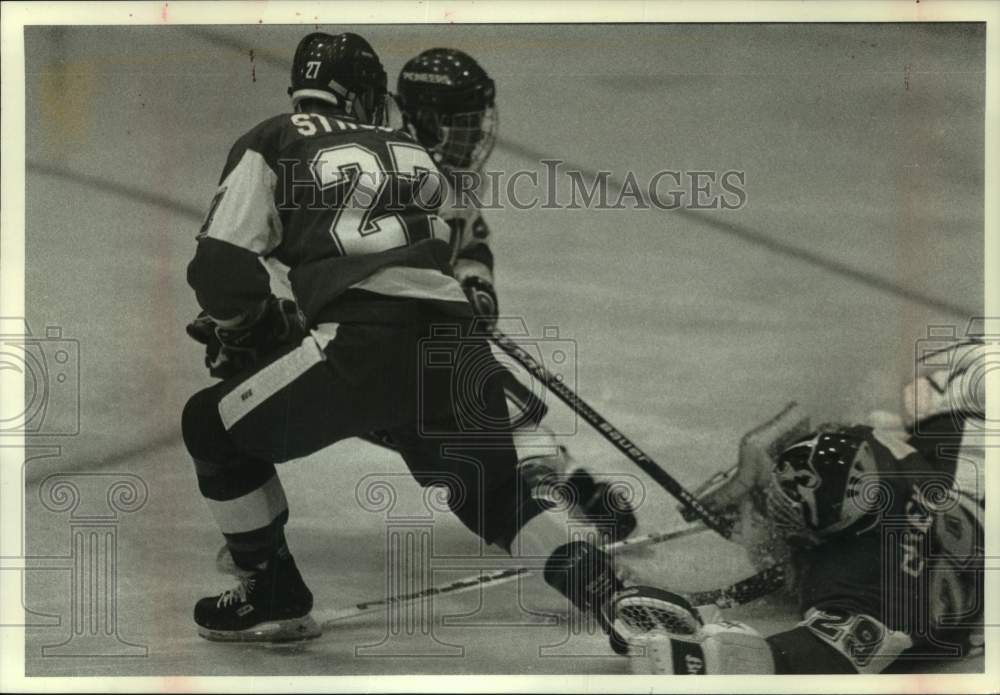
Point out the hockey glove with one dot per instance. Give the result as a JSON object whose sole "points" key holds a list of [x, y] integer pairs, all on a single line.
{"points": [[482, 297], [202, 330], [230, 350]]}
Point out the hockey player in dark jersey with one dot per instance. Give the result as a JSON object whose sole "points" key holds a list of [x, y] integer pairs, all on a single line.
{"points": [[885, 547], [448, 102], [350, 206]]}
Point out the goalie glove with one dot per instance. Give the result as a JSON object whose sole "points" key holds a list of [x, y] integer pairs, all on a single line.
{"points": [[234, 348], [727, 491]]}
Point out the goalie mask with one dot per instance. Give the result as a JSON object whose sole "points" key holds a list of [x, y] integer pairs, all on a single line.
{"points": [[816, 487], [342, 70], [447, 100]]}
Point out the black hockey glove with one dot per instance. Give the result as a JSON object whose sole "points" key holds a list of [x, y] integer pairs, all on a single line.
{"points": [[482, 296], [202, 330], [229, 351]]}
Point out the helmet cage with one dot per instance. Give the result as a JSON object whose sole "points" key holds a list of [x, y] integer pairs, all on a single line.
{"points": [[789, 515], [456, 141], [816, 487], [449, 102]]}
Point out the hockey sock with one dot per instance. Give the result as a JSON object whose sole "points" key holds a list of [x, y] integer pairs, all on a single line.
{"points": [[249, 507]]}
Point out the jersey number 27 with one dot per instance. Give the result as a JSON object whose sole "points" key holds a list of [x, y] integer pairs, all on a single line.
{"points": [[371, 219]]}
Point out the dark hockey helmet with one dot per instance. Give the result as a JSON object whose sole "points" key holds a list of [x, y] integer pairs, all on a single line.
{"points": [[821, 485], [341, 69], [448, 101]]}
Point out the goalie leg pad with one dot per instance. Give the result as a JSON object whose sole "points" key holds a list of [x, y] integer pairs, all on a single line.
{"points": [[666, 635], [714, 649]]}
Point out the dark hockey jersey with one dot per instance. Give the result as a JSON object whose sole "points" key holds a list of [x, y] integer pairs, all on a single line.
{"points": [[470, 238], [345, 206], [874, 591]]}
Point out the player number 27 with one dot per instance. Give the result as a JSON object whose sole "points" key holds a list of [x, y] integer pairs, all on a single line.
{"points": [[360, 224]]}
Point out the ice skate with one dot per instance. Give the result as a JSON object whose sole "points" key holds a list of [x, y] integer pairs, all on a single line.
{"points": [[270, 604]]}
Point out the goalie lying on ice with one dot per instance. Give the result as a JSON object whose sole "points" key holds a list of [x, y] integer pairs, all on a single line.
{"points": [[885, 548]]}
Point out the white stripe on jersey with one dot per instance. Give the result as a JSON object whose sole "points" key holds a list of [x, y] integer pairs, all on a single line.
{"points": [[260, 386], [246, 215], [417, 283]]}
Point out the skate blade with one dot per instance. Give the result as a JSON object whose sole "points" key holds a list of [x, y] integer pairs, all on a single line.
{"points": [[293, 630]]}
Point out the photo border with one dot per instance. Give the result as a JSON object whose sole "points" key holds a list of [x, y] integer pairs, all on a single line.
{"points": [[17, 15]]}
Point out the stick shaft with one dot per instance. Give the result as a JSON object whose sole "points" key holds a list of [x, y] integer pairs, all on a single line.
{"points": [[744, 591], [749, 589], [611, 433], [485, 579]]}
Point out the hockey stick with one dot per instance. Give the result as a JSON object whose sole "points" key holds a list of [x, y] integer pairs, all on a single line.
{"points": [[765, 582], [760, 584], [328, 618], [741, 592], [611, 433], [749, 589]]}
